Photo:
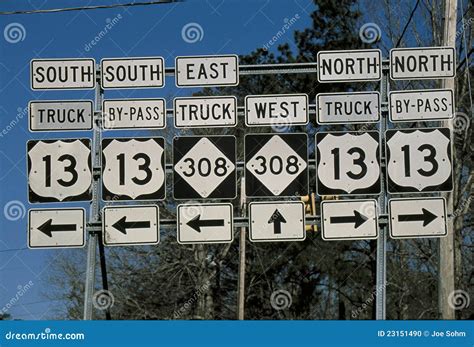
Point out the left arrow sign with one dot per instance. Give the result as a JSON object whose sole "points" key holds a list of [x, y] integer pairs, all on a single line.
{"points": [[48, 227], [197, 223], [122, 225]]}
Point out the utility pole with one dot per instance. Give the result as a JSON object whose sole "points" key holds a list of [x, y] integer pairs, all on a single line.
{"points": [[446, 244]]}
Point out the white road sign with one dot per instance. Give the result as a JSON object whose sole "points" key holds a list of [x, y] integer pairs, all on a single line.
{"points": [[56, 228], [133, 168], [134, 113], [207, 70], [344, 108], [277, 221], [47, 74], [60, 115], [419, 160], [131, 225], [349, 66], [276, 165], [59, 170], [413, 218], [349, 219], [204, 167], [205, 223], [420, 105], [276, 110], [348, 163], [422, 63], [132, 72], [205, 112]]}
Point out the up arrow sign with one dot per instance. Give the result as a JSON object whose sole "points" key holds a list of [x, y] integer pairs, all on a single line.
{"points": [[276, 219], [48, 227], [358, 219], [426, 217]]}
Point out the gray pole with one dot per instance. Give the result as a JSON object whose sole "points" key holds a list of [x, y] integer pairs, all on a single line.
{"points": [[243, 237]]}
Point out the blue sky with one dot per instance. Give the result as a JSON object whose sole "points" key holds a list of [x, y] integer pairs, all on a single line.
{"points": [[230, 26]]}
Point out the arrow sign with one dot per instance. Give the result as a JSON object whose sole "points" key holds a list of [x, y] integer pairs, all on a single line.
{"points": [[122, 225], [197, 223], [276, 219], [358, 219], [48, 227], [426, 217]]}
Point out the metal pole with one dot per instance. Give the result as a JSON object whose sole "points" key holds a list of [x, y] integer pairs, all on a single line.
{"points": [[243, 238], [94, 210]]}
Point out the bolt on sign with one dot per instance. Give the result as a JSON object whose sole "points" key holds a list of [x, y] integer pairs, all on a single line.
{"points": [[348, 163], [56, 228], [420, 105], [60, 115], [134, 114], [349, 66], [132, 73], [59, 170], [48, 74], [207, 112], [207, 71], [204, 167], [348, 108], [276, 165], [133, 168], [419, 160], [422, 63], [276, 110]]}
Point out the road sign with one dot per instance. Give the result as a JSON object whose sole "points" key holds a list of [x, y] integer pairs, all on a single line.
{"points": [[205, 223], [422, 63], [204, 167], [134, 114], [47, 74], [132, 72], [207, 71], [349, 66], [131, 225], [413, 218], [348, 163], [349, 220], [344, 108], [276, 109], [277, 221], [419, 105], [419, 160], [276, 165], [56, 228], [60, 115], [133, 168], [59, 170], [205, 112]]}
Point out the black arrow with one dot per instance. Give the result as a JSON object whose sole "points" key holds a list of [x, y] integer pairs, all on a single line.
{"points": [[197, 223], [122, 225], [426, 217], [276, 219], [48, 227], [358, 219]]}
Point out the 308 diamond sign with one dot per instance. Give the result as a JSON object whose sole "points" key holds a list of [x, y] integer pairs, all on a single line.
{"points": [[276, 165]]}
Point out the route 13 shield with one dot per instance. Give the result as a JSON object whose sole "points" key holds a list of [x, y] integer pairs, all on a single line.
{"points": [[348, 163], [133, 169]]}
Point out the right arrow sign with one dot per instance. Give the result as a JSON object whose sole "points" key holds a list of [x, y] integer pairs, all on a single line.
{"points": [[349, 219], [412, 218]]}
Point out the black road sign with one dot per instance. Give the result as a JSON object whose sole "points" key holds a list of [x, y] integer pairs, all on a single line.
{"points": [[204, 167], [276, 164]]}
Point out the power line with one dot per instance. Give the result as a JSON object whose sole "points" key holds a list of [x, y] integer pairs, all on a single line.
{"points": [[408, 23], [97, 7], [13, 249]]}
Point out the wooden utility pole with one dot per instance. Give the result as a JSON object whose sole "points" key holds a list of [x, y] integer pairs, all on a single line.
{"points": [[243, 237], [446, 245]]}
